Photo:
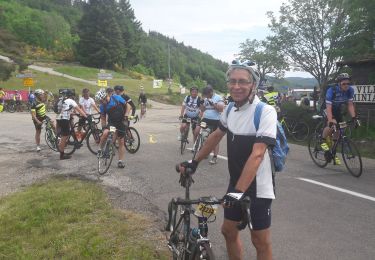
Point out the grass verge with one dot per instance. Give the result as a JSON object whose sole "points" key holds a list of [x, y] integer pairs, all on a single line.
{"points": [[71, 219]]}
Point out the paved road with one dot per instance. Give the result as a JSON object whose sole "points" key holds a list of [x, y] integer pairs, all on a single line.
{"points": [[310, 221]]}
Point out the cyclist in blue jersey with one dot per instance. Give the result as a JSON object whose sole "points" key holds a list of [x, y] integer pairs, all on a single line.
{"points": [[337, 97], [112, 113]]}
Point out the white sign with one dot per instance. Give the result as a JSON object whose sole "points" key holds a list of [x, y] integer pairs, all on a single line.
{"points": [[157, 83], [104, 76], [364, 93]]}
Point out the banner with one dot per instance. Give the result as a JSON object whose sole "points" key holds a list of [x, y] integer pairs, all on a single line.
{"points": [[364, 93], [10, 93]]}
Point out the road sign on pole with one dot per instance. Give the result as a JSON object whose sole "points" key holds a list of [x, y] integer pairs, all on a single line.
{"points": [[102, 83], [28, 82]]}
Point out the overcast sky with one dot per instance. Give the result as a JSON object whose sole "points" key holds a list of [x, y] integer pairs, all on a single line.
{"points": [[213, 26]]}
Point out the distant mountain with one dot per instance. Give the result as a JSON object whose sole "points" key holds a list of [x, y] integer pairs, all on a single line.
{"points": [[298, 82]]}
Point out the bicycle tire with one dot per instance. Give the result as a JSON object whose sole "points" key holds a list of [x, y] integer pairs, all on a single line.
{"points": [[11, 108], [315, 151], [50, 138], [203, 251], [300, 131], [92, 142], [197, 145], [132, 143], [70, 146], [184, 138], [350, 151], [105, 158]]}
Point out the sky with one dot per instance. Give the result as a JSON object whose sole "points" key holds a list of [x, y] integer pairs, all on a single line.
{"points": [[213, 26]]}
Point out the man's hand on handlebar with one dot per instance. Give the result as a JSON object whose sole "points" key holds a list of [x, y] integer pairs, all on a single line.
{"points": [[187, 167]]}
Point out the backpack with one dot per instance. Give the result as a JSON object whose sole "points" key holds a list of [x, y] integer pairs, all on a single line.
{"points": [[323, 105], [281, 148], [115, 113], [57, 107], [198, 100]]}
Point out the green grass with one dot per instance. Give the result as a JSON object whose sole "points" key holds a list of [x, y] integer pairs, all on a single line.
{"points": [[71, 219]]}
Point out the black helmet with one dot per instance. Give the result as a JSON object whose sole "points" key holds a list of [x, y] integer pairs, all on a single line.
{"points": [[343, 76], [109, 90], [208, 89], [119, 88], [67, 93]]}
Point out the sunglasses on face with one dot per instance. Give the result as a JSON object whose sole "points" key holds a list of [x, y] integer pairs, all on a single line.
{"points": [[240, 82], [345, 84]]}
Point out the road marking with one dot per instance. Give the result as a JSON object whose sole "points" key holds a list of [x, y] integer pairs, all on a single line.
{"points": [[360, 195], [218, 156]]}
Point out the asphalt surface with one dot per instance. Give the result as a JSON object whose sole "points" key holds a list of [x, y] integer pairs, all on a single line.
{"points": [[309, 221]]}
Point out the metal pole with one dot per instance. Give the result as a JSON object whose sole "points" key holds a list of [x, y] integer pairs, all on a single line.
{"points": [[169, 63], [368, 121]]}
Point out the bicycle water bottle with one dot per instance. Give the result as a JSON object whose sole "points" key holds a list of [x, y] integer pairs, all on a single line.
{"points": [[194, 234]]}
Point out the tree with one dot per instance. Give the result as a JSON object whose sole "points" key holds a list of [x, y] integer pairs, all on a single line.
{"points": [[309, 32], [267, 57], [101, 43]]}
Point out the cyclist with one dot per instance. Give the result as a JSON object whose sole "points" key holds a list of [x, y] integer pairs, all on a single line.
{"points": [[38, 114], [337, 97], [18, 98], [31, 98], [248, 160], [212, 106], [272, 98], [66, 106], [112, 110], [142, 99], [190, 109], [2, 99], [87, 104], [119, 90]]}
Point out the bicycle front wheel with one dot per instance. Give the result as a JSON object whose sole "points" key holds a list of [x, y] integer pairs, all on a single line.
{"points": [[316, 152], [93, 140], [132, 140], [11, 108], [105, 158], [203, 251], [70, 145], [179, 234], [300, 131], [184, 138], [351, 157], [50, 138], [197, 146]]}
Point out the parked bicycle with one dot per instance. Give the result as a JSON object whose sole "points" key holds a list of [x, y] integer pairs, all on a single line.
{"points": [[298, 129], [185, 134], [9, 106], [105, 156], [50, 134], [132, 140], [188, 242], [204, 132], [349, 151]]}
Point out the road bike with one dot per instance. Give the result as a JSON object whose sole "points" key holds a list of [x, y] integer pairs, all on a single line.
{"points": [[185, 135], [50, 134], [298, 129], [349, 151], [105, 156], [9, 106], [132, 140], [75, 141], [204, 132], [188, 242]]}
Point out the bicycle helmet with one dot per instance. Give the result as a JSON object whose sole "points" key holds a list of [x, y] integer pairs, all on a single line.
{"points": [[67, 93], [237, 64], [39, 91], [101, 94], [343, 76], [119, 88]]}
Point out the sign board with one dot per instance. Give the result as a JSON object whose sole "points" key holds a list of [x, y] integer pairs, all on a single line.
{"points": [[364, 93], [102, 83], [26, 75], [157, 83], [28, 82], [104, 76], [182, 90]]}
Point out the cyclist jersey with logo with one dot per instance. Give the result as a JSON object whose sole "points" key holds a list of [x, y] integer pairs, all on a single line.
{"points": [[87, 104], [210, 112], [191, 106], [114, 109], [336, 97], [40, 110], [241, 137], [67, 108]]}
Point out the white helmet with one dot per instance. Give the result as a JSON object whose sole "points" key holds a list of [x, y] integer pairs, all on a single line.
{"points": [[100, 94], [39, 91], [247, 65]]}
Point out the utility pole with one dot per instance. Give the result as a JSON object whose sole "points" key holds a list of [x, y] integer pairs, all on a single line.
{"points": [[169, 71]]}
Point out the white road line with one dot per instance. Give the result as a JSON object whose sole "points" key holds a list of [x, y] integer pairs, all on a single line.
{"points": [[360, 195], [219, 156]]}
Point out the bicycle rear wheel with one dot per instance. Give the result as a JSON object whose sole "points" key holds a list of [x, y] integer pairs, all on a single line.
{"points": [[203, 251], [300, 131], [50, 138], [179, 237], [105, 158], [315, 150], [70, 145], [132, 140], [351, 157], [11, 108], [93, 140]]}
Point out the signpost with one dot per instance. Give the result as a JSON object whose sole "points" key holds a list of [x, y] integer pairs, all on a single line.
{"points": [[28, 79], [103, 77]]}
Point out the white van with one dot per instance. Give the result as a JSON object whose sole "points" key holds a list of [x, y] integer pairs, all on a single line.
{"points": [[299, 94]]}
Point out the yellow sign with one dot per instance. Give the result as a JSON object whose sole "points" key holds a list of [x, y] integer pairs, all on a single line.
{"points": [[102, 83], [28, 82]]}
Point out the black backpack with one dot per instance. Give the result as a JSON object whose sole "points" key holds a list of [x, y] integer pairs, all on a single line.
{"points": [[198, 100], [115, 113]]}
